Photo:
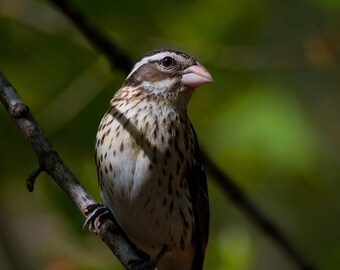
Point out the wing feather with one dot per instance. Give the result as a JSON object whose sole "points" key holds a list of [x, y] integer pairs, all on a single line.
{"points": [[199, 194]]}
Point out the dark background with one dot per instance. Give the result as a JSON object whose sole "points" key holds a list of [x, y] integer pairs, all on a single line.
{"points": [[270, 120]]}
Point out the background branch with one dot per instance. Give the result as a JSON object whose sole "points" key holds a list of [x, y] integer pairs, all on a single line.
{"points": [[119, 59], [52, 164], [116, 55], [242, 201]]}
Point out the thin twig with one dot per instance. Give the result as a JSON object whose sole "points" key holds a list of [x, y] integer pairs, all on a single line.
{"points": [[52, 164], [116, 55], [31, 178]]}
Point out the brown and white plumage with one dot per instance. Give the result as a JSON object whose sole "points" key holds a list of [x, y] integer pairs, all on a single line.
{"points": [[149, 168]]}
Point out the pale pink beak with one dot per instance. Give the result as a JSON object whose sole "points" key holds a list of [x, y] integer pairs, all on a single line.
{"points": [[195, 76]]}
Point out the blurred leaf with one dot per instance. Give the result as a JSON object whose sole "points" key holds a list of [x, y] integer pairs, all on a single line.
{"points": [[270, 119], [266, 132]]}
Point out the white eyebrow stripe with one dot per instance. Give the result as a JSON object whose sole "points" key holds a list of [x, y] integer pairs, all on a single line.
{"points": [[145, 60]]}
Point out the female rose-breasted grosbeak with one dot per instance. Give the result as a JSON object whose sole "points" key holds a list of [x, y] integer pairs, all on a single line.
{"points": [[150, 173]]}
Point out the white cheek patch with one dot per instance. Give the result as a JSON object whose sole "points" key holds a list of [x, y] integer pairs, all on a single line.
{"points": [[160, 86], [151, 58]]}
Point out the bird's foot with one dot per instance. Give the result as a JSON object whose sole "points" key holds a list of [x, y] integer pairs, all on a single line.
{"points": [[96, 213], [152, 264], [160, 255]]}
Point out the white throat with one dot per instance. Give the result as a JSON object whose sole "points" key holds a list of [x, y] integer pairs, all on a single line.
{"points": [[159, 87]]}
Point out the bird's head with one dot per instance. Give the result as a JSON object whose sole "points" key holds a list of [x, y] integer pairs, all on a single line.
{"points": [[168, 73]]}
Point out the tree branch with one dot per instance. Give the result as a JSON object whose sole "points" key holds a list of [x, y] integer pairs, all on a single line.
{"points": [[53, 165]]}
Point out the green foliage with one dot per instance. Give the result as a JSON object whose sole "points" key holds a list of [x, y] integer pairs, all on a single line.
{"points": [[270, 120]]}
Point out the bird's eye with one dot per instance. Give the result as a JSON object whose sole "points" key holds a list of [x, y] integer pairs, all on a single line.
{"points": [[168, 61]]}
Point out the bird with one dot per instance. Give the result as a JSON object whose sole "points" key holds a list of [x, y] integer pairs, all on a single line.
{"points": [[150, 172]]}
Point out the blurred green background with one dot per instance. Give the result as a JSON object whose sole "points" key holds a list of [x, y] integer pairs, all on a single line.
{"points": [[271, 121]]}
